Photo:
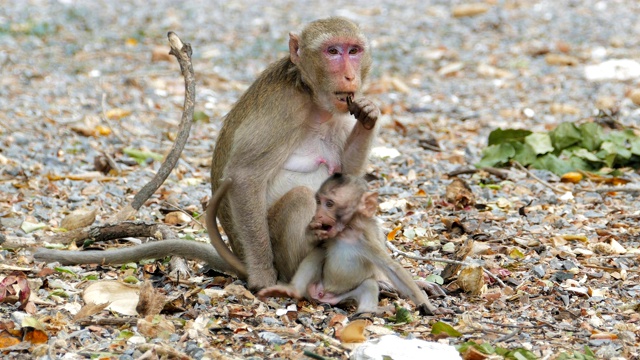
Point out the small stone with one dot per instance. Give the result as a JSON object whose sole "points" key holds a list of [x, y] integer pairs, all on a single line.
{"points": [[272, 338], [471, 9], [564, 109], [634, 95], [561, 60], [606, 103]]}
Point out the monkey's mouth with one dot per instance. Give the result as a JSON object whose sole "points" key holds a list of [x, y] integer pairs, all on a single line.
{"points": [[326, 227], [343, 95]]}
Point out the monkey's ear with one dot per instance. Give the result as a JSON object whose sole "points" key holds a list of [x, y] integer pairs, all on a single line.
{"points": [[294, 48], [369, 204]]}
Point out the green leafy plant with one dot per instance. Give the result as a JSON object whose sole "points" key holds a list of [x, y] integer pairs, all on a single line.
{"points": [[510, 354], [566, 148], [587, 355]]}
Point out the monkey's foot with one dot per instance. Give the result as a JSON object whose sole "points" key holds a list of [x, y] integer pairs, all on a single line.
{"points": [[261, 278], [432, 289], [278, 291], [429, 309]]}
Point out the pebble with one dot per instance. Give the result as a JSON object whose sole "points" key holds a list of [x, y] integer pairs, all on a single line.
{"points": [[272, 338]]}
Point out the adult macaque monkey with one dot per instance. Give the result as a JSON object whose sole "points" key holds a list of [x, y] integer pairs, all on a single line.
{"points": [[286, 134], [352, 252]]}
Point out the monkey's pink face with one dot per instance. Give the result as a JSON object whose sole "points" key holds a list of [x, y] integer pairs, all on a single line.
{"points": [[343, 58]]}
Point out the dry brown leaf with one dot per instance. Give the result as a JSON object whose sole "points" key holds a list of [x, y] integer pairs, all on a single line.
{"points": [[89, 310], [156, 327], [36, 336], [571, 177], [604, 336], [102, 130], [471, 9], [176, 218], [392, 234], [354, 332], [151, 300], [471, 280], [239, 291], [122, 298], [566, 109], [561, 60], [472, 354], [78, 219], [7, 340], [459, 194], [117, 114]]}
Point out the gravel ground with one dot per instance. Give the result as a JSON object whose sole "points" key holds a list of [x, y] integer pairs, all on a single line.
{"points": [[520, 64]]}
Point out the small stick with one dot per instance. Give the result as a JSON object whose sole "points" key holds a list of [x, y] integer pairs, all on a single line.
{"points": [[556, 190], [446, 261]]}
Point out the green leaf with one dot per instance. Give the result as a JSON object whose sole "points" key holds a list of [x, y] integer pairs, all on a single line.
{"points": [[29, 227], [616, 148], [435, 279], [587, 155], [580, 164], [565, 135], [607, 157], [403, 316], [141, 156], [444, 328], [525, 154], [521, 354], [131, 279], [541, 143], [500, 136], [552, 163], [200, 116], [64, 270], [496, 155], [484, 348], [591, 136], [635, 146]]}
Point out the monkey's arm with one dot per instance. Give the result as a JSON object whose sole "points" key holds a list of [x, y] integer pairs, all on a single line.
{"points": [[361, 137], [192, 250]]}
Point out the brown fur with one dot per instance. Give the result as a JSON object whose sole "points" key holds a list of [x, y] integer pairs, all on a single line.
{"points": [[353, 252], [261, 131]]}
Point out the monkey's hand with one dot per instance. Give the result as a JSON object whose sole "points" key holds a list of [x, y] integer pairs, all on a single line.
{"points": [[319, 230], [279, 291], [428, 309], [364, 111]]}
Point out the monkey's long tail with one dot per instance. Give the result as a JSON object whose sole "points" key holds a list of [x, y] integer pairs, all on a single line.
{"points": [[192, 250]]}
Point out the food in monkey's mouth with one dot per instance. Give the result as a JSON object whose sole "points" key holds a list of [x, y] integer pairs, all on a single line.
{"points": [[343, 96], [326, 227]]}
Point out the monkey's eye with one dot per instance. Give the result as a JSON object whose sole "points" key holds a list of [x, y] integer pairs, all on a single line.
{"points": [[329, 203], [354, 50], [333, 51]]}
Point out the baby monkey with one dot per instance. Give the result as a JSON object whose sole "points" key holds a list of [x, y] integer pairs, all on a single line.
{"points": [[351, 252]]}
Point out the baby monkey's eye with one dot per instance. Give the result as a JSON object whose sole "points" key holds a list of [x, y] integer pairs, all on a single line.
{"points": [[329, 203]]}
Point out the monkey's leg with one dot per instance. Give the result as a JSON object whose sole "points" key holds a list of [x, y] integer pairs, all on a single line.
{"points": [[288, 219], [365, 294]]}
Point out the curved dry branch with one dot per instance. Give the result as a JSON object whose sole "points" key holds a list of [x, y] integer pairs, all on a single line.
{"points": [[182, 52]]}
